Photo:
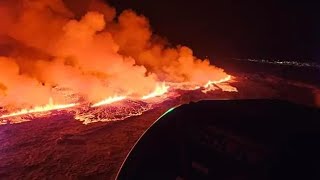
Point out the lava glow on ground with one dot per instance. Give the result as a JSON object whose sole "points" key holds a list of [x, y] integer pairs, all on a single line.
{"points": [[130, 106]]}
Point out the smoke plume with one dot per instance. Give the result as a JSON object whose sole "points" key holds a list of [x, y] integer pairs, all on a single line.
{"points": [[47, 43]]}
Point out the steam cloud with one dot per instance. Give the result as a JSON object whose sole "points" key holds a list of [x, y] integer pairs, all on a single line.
{"points": [[43, 44]]}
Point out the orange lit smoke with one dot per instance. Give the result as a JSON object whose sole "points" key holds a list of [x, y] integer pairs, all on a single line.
{"points": [[99, 57]]}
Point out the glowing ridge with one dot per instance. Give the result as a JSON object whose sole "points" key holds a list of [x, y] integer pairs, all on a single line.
{"points": [[209, 83], [160, 90], [109, 100], [48, 107]]}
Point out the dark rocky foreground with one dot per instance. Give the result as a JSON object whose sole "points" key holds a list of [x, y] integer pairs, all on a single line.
{"points": [[64, 148]]}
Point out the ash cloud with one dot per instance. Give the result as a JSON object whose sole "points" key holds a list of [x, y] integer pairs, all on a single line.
{"points": [[91, 51]]}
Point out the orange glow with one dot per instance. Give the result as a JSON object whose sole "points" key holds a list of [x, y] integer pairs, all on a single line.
{"points": [[209, 83], [160, 90], [49, 51], [109, 100], [38, 109], [209, 88], [213, 85], [227, 88]]}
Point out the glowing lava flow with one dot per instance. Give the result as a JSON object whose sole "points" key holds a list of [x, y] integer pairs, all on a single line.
{"points": [[209, 83], [109, 100], [160, 90], [49, 107], [219, 84]]}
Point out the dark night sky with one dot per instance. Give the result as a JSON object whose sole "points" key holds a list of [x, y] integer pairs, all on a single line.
{"points": [[250, 29]]}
